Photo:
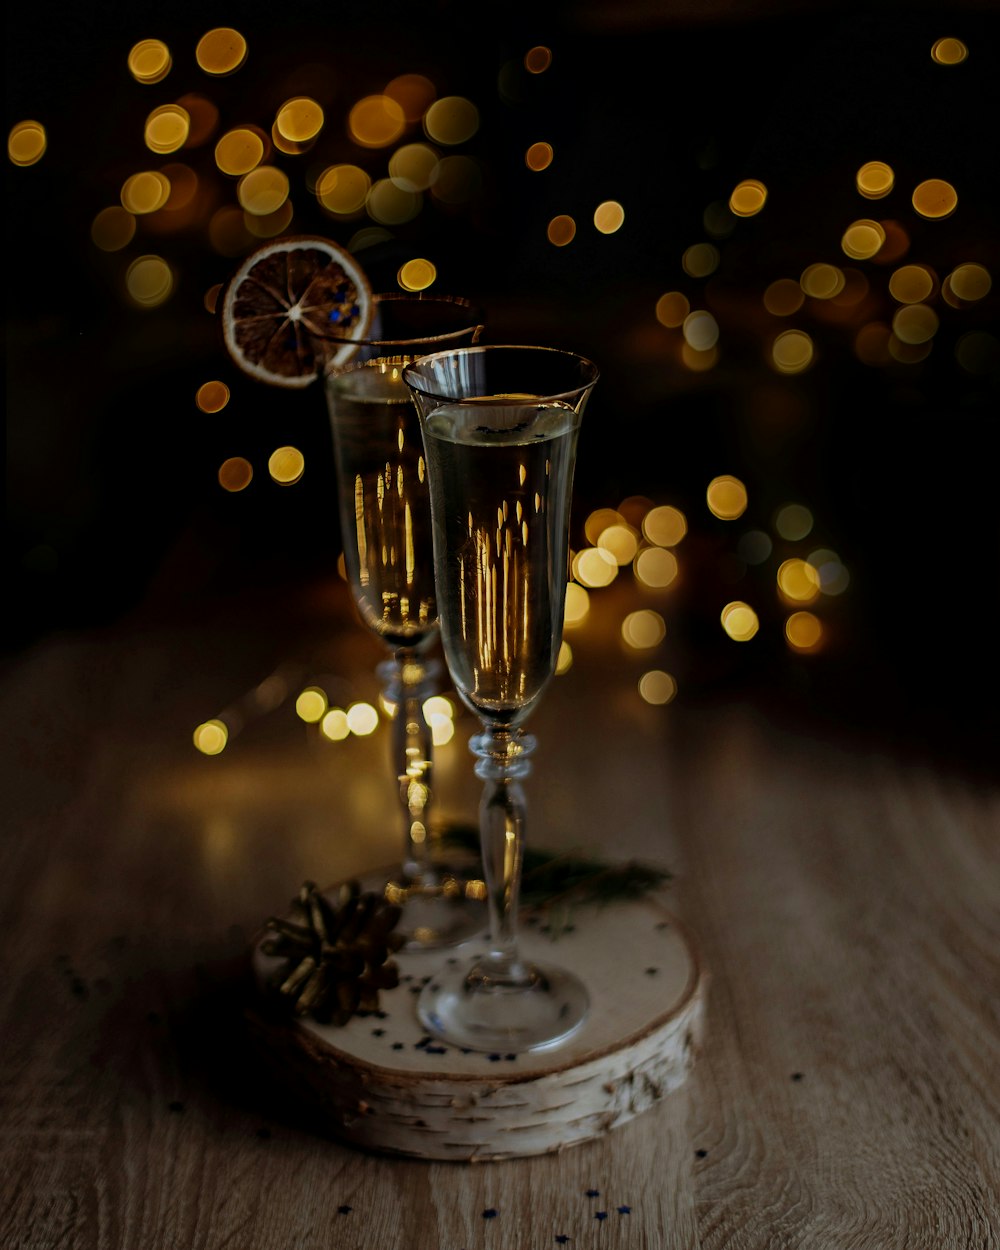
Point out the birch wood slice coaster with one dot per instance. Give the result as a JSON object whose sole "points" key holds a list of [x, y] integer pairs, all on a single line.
{"points": [[382, 1083]]}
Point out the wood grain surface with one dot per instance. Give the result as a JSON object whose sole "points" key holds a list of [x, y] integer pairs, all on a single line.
{"points": [[845, 900]]}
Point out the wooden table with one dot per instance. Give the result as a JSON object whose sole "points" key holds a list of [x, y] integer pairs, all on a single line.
{"points": [[848, 1094]]}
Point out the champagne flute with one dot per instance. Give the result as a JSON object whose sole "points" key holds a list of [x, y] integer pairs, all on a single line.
{"points": [[385, 524], [500, 428]]}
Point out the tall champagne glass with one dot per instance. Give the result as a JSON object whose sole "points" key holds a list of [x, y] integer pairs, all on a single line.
{"points": [[500, 428], [385, 523]]}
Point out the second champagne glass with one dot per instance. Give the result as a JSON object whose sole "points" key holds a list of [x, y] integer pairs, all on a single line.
{"points": [[500, 429], [385, 524]]}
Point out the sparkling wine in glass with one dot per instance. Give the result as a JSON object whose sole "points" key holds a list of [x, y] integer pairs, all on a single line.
{"points": [[385, 524], [500, 428]]}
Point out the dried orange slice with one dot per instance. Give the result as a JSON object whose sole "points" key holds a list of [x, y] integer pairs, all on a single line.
{"points": [[291, 307]]}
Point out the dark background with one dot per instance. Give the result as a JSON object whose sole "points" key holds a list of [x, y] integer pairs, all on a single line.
{"points": [[113, 500]]}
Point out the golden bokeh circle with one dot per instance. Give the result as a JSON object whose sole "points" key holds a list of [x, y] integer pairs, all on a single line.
{"points": [[726, 497], [417, 274], [664, 526], [537, 59], [238, 151], [376, 121], [862, 239], [221, 51], [561, 230], [299, 120], [915, 324], [149, 281], [911, 284], [212, 396], [343, 188], [822, 281], [804, 631], [414, 94], [609, 217], [748, 198], [783, 297], [113, 228], [671, 309], [286, 465], [149, 61], [235, 474], [949, 51], [167, 128], [538, 156], [739, 620], [656, 567], [970, 282], [145, 192], [451, 120], [263, 190], [875, 179], [26, 143], [657, 687], [935, 199], [792, 352]]}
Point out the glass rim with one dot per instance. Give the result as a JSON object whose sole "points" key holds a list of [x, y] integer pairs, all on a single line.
{"points": [[591, 368], [475, 323]]}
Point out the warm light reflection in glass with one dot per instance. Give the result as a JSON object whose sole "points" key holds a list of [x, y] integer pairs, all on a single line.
{"points": [[783, 297], [149, 61], [657, 687], [792, 352], [149, 281], [561, 230], [26, 143], [726, 497], [671, 309], [643, 629], [655, 567], [376, 121], [739, 620], [145, 192], [362, 719], [211, 737], [798, 580], [311, 705], [538, 156], [862, 239], [748, 198], [221, 51], [915, 323], [609, 216], [664, 526], [413, 167], [875, 180], [822, 281], [804, 631], [970, 282], [620, 541], [391, 205], [286, 465], [912, 284], [343, 188], [334, 726], [793, 521], [594, 567], [416, 275], [413, 93], [452, 119], [167, 128], [949, 51], [935, 199], [564, 660], [577, 605], [299, 120], [235, 474], [112, 229], [701, 330], [700, 259], [598, 521], [537, 59]]}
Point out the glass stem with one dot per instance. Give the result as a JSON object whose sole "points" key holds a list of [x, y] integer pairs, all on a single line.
{"points": [[408, 679], [502, 762]]}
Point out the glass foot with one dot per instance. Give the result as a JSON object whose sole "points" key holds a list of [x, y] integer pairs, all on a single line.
{"points": [[462, 1008]]}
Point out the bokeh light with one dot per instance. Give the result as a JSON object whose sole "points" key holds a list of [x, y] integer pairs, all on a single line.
{"points": [[299, 120], [451, 120], [221, 51], [343, 189], [376, 121], [333, 725], [949, 51], [167, 128], [664, 526], [212, 396], [263, 190], [211, 737], [792, 352], [413, 93], [822, 281], [413, 167], [26, 143], [311, 704], [911, 284], [862, 239], [149, 61], [875, 179], [564, 660], [608, 217], [970, 282], [417, 274], [833, 575], [183, 186], [739, 620], [538, 156], [783, 297], [643, 629], [594, 567], [798, 581], [390, 205], [204, 117], [145, 192], [577, 605], [537, 59], [748, 198], [655, 567], [235, 474], [657, 687], [915, 323], [793, 521], [286, 465], [362, 719], [726, 497], [598, 521], [701, 330], [804, 631], [935, 199], [700, 260], [270, 225], [561, 230], [239, 151], [621, 541], [113, 228], [149, 281], [671, 309]]}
